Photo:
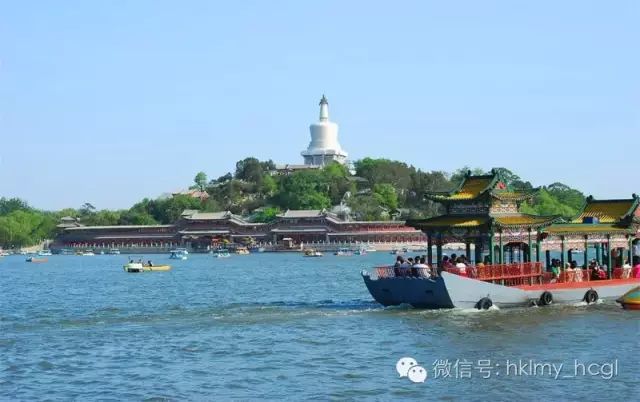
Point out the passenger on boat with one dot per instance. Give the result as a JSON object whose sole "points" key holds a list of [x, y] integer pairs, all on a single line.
{"points": [[635, 272], [555, 268], [446, 262], [454, 258], [420, 268], [603, 271], [461, 266], [149, 263], [405, 268]]}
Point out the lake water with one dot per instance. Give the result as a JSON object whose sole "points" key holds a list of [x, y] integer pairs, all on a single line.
{"points": [[280, 326]]}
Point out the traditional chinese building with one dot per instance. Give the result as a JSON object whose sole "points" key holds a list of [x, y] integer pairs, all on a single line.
{"points": [[609, 228], [200, 231], [484, 212]]}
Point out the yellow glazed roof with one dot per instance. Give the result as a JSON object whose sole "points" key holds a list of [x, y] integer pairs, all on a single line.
{"points": [[605, 211], [523, 220], [449, 221], [584, 228]]}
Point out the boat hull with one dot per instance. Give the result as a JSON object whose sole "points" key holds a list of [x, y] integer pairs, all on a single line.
{"points": [[455, 291]]}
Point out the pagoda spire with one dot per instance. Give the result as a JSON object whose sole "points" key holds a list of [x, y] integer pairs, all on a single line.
{"points": [[324, 109]]}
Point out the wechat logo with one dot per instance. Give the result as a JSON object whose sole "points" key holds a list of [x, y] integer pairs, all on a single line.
{"points": [[409, 367]]}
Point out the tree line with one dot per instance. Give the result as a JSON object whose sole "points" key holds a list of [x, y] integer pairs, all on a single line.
{"points": [[378, 189]]}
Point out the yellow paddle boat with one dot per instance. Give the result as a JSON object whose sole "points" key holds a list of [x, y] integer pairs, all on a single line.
{"points": [[139, 267]]}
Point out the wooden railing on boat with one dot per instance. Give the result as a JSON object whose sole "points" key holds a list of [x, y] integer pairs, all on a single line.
{"points": [[528, 273]]}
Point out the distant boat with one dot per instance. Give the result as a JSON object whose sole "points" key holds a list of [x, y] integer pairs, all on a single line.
{"points": [[343, 252], [44, 253], [242, 250], [114, 251], [179, 254], [140, 267], [88, 253], [312, 253], [222, 253], [370, 249], [361, 251], [257, 249]]}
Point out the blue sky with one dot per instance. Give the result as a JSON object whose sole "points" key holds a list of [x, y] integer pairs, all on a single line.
{"points": [[109, 102]]}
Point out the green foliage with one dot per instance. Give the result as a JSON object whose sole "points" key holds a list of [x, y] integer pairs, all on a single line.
{"points": [[459, 174], [306, 189], [386, 196], [367, 208], [513, 181], [22, 227], [266, 215], [566, 195], [252, 170], [546, 203], [102, 218], [201, 181]]}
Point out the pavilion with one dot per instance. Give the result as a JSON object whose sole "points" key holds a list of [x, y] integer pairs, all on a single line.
{"points": [[484, 211]]}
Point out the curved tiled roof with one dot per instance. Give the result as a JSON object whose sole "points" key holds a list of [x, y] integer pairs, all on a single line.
{"points": [[580, 228], [453, 221], [525, 220], [607, 211]]}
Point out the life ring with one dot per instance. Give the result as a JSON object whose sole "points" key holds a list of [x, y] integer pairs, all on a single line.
{"points": [[591, 296], [546, 298], [484, 304]]}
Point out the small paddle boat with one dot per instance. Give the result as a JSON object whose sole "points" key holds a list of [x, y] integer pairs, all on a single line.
{"points": [[36, 260], [312, 253], [139, 267]]}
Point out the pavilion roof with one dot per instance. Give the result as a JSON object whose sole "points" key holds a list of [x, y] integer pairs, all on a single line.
{"points": [[586, 228], [608, 211], [525, 220], [449, 221], [302, 213], [475, 186]]}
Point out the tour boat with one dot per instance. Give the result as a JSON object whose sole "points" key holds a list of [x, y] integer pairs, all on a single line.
{"points": [[505, 285], [88, 253], [312, 253], [242, 250], [44, 253], [140, 267], [631, 299], [178, 254], [36, 260]]}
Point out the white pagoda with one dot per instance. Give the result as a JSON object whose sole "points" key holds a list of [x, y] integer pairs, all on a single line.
{"points": [[324, 147]]}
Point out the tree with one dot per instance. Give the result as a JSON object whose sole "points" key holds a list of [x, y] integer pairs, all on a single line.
{"points": [[366, 208], [305, 189], [87, 209], [266, 215], [459, 174], [201, 181], [514, 181], [386, 196], [545, 203], [8, 205]]}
